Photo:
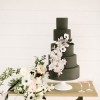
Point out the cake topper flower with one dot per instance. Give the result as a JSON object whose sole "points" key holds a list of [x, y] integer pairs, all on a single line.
{"points": [[31, 81], [56, 62]]}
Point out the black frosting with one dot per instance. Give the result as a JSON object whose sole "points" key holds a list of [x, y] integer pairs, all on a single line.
{"points": [[69, 51], [61, 23], [68, 74], [71, 69], [58, 33], [71, 61]]}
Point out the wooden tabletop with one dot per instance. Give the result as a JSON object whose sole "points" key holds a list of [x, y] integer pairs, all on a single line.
{"points": [[71, 93]]}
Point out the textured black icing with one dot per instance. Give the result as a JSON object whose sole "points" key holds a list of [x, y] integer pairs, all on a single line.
{"points": [[61, 23], [68, 74], [71, 69], [71, 61], [69, 51]]}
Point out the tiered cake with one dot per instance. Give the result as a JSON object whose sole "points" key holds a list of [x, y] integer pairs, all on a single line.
{"points": [[71, 69]]}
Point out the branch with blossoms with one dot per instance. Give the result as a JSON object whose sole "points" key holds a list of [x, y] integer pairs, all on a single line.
{"points": [[31, 81], [56, 62]]}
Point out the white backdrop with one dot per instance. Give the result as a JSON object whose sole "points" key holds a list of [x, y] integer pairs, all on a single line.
{"points": [[26, 30]]}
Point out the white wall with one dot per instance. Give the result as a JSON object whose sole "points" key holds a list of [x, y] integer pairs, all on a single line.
{"points": [[26, 30]]}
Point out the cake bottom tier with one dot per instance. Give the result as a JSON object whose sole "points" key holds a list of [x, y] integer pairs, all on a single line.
{"points": [[68, 74]]}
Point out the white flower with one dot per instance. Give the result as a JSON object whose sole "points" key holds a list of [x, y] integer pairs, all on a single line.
{"points": [[39, 80], [19, 89], [59, 73], [46, 75], [55, 63], [66, 36], [63, 49], [61, 65], [44, 88], [64, 61], [30, 97], [60, 39], [59, 44], [41, 94], [32, 88], [39, 88], [45, 78], [51, 66], [59, 53], [56, 69], [66, 45], [23, 71], [53, 54], [40, 69], [26, 81]]}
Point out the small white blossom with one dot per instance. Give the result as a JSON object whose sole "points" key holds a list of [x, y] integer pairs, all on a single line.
{"points": [[53, 54], [66, 36], [39, 88], [66, 45], [39, 80], [45, 79], [19, 88], [64, 61], [56, 54], [59, 73], [30, 97], [41, 94], [26, 81], [52, 87], [51, 66], [63, 49], [60, 39], [23, 71]]}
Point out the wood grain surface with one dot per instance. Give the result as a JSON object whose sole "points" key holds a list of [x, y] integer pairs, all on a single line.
{"points": [[73, 92]]}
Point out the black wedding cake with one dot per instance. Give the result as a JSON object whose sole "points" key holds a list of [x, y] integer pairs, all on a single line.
{"points": [[71, 68]]}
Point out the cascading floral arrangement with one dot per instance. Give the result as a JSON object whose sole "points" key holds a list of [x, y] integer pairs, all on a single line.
{"points": [[57, 63], [31, 81]]}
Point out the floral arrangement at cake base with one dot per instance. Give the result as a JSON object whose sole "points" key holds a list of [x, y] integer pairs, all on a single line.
{"points": [[31, 81]]}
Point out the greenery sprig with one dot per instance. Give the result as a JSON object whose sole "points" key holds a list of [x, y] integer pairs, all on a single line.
{"points": [[7, 73], [40, 61]]}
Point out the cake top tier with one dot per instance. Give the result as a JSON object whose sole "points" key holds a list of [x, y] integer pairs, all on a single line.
{"points": [[61, 23]]}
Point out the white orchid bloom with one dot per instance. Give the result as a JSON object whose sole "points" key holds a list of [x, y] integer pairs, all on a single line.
{"points": [[53, 54], [51, 66], [63, 49], [64, 61], [66, 36], [66, 45]]}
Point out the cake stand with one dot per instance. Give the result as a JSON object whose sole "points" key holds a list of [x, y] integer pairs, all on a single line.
{"points": [[63, 86]]}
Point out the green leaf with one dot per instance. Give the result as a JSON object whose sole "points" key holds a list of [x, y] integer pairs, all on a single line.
{"points": [[6, 74]]}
